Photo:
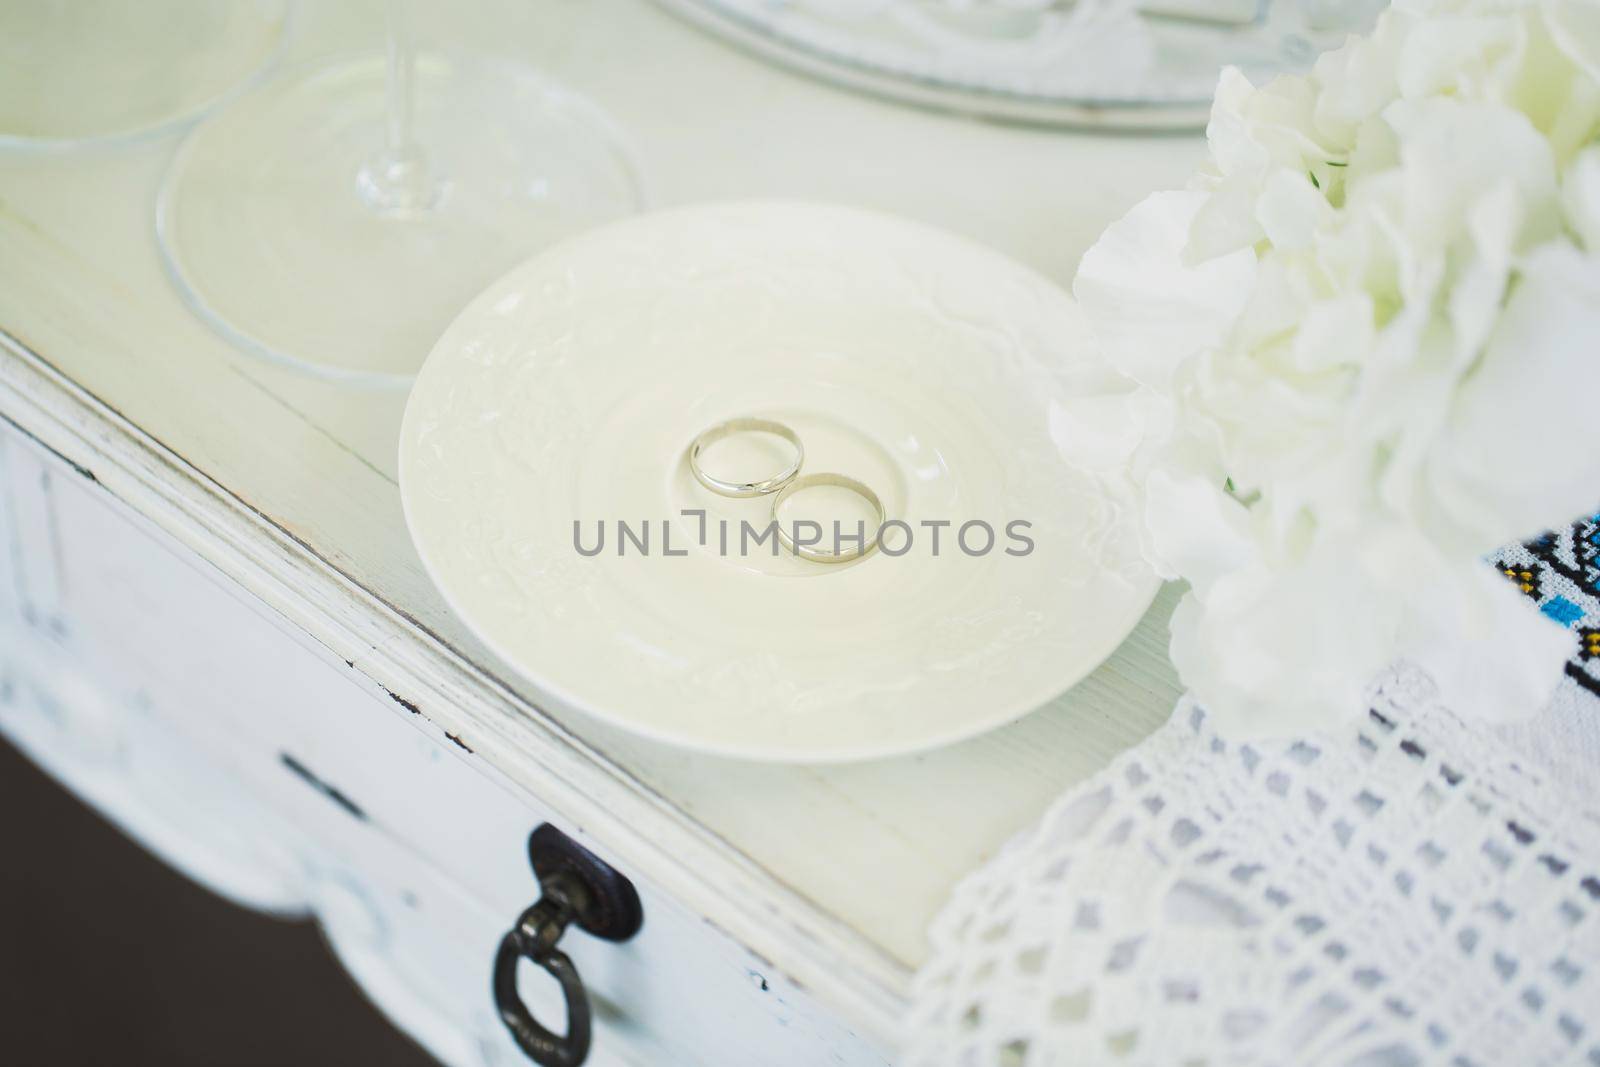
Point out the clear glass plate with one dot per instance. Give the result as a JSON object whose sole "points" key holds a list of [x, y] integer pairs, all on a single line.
{"points": [[273, 225], [1097, 63], [74, 72]]}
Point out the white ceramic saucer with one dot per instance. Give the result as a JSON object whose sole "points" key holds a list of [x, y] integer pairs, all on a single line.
{"points": [[925, 366]]}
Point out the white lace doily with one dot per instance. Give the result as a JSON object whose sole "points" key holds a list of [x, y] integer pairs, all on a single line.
{"points": [[1417, 890]]}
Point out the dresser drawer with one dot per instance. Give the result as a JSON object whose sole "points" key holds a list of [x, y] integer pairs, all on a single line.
{"points": [[279, 774]]}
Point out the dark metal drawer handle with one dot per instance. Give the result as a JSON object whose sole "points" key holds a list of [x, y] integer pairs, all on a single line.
{"points": [[576, 886]]}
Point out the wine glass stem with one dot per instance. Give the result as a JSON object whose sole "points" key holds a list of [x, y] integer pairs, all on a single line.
{"points": [[399, 180]]}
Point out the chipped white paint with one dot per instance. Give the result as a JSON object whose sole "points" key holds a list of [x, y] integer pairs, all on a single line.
{"points": [[267, 770]]}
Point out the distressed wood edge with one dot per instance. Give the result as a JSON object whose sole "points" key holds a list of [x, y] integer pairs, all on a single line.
{"points": [[423, 674]]}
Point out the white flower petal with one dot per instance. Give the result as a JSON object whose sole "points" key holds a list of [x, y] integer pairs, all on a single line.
{"points": [[1150, 312], [1291, 210], [1359, 80], [1196, 529], [1575, 25], [1376, 313], [1438, 60], [1276, 651], [1493, 225], [1580, 198], [1494, 655], [1101, 433], [1226, 221], [1334, 332], [1234, 148], [1454, 153], [1517, 456]]}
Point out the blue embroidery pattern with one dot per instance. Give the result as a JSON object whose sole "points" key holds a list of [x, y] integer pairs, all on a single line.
{"points": [[1560, 571]]}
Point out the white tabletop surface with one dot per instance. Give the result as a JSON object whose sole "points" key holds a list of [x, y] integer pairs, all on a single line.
{"points": [[876, 846]]}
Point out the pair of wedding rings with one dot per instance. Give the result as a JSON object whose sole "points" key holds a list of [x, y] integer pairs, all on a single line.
{"points": [[784, 484]]}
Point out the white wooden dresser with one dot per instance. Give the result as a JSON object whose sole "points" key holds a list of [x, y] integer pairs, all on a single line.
{"points": [[214, 629]]}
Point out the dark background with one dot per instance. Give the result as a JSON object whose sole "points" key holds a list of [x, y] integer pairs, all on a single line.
{"points": [[108, 956]]}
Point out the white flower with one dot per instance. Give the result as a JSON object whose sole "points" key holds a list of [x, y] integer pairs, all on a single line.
{"points": [[1364, 351]]}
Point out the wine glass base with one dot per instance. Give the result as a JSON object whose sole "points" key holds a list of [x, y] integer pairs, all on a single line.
{"points": [[94, 71], [270, 227]]}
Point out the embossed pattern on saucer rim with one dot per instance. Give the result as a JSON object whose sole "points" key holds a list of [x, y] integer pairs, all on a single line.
{"points": [[566, 390]]}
